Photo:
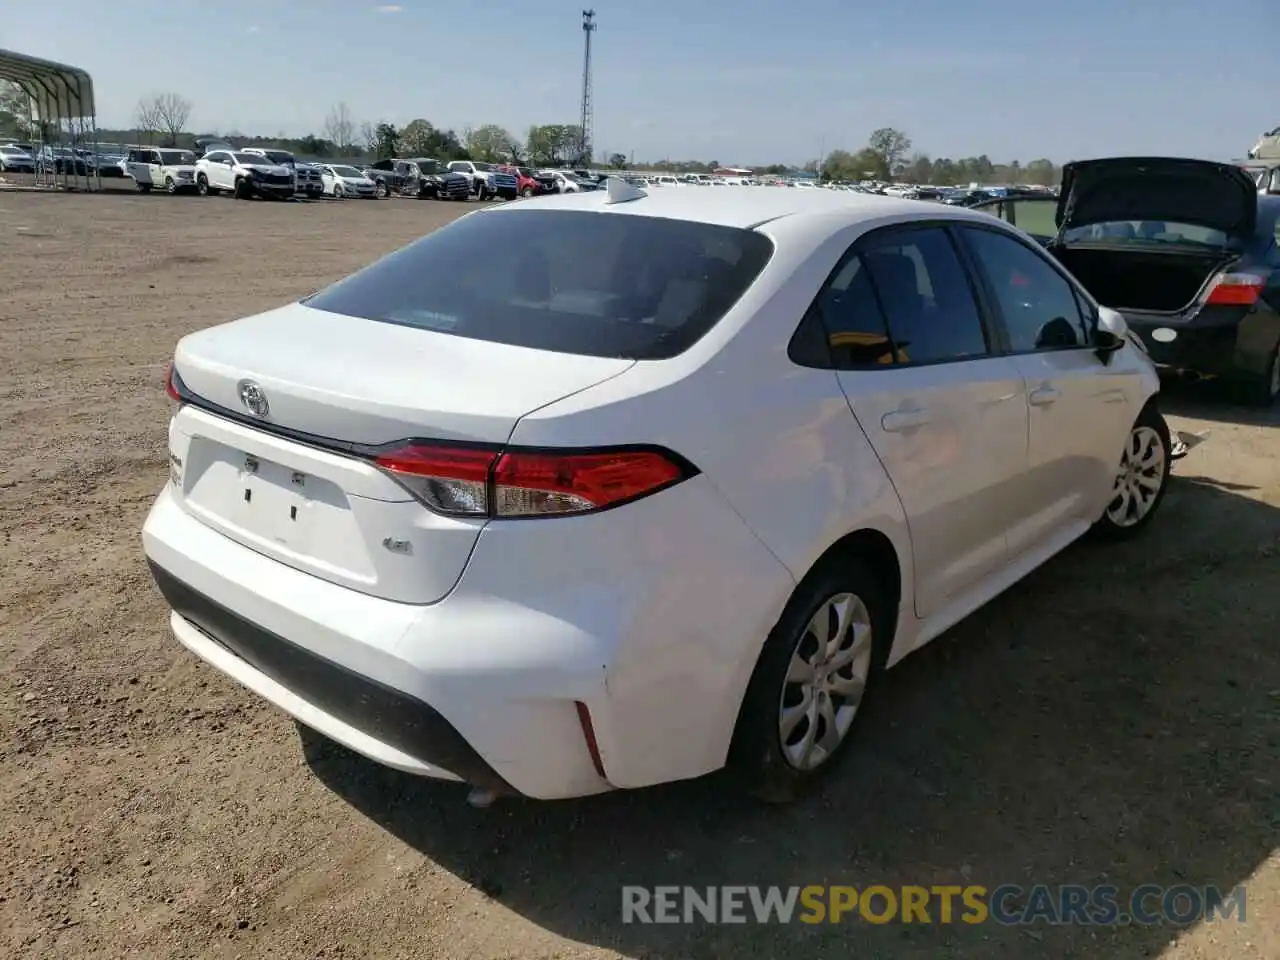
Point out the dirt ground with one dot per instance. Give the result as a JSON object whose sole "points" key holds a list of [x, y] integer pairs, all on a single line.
{"points": [[1114, 719]]}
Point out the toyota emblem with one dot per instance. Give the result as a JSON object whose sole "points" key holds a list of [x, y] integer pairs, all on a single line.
{"points": [[254, 400]]}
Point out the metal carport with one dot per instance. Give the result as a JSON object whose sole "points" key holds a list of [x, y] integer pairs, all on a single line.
{"points": [[62, 107]]}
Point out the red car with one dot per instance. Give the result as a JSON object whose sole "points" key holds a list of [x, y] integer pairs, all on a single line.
{"points": [[528, 183]]}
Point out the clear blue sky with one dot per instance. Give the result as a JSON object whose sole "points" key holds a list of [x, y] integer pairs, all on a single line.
{"points": [[739, 82]]}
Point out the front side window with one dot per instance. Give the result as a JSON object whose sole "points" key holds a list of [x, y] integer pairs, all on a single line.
{"points": [[925, 294], [1039, 307], [605, 285]]}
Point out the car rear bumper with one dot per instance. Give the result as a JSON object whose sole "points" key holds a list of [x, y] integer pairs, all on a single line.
{"points": [[391, 681], [1210, 349], [393, 727], [485, 685]]}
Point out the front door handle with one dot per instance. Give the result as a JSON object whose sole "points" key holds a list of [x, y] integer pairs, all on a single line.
{"points": [[900, 420], [1043, 396]]}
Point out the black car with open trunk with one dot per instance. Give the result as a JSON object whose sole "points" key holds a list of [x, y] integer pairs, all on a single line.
{"points": [[1185, 249]]}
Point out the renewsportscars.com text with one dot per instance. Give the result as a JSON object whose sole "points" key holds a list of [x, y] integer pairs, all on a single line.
{"points": [[1149, 904]]}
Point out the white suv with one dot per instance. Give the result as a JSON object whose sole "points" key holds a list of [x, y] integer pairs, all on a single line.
{"points": [[665, 493], [244, 175], [161, 168], [307, 179]]}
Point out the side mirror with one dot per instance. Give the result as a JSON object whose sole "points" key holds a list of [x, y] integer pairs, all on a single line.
{"points": [[1110, 333]]}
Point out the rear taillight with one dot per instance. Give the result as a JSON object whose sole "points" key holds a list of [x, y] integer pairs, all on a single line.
{"points": [[170, 384], [450, 480], [1235, 289], [484, 482]]}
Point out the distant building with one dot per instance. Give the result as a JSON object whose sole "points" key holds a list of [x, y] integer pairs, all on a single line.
{"points": [[732, 172]]}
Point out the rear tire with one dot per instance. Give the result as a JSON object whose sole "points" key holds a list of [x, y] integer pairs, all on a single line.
{"points": [[380, 190], [810, 685], [527, 192], [1142, 478]]}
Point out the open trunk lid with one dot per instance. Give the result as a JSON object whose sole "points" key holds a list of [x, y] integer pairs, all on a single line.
{"points": [[287, 409], [1217, 196]]}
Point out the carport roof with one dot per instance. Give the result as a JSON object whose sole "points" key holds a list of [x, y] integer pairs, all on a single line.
{"points": [[59, 92]]}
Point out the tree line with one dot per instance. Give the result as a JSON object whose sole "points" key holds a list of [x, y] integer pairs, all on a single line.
{"points": [[162, 119], [888, 156]]}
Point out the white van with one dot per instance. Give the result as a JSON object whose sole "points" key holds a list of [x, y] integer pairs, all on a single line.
{"points": [[164, 168]]}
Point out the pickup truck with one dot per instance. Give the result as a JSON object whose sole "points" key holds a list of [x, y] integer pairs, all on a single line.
{"points": [[487, 179], [420, 177]]}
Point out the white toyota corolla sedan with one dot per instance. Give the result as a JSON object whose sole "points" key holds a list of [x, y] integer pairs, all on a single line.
{"points": [[662, 496]]}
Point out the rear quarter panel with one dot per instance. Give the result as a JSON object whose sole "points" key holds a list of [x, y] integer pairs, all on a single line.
{"points": [[776, 441]]}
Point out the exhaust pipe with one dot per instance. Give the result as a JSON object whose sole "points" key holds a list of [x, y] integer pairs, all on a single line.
{"points": [[481, 799]]}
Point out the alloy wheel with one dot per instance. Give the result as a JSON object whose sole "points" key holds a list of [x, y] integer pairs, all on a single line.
{"points": [[825, 681], [1141, 476]]}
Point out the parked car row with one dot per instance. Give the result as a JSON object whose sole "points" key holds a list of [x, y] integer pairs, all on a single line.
{"points": [[218, 167], [21, 157]]}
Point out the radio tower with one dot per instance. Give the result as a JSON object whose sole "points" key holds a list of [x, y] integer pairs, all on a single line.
{"points": [[588, 108]]}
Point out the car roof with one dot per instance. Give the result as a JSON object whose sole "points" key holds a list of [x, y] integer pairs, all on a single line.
{"points": [[747, 207]]}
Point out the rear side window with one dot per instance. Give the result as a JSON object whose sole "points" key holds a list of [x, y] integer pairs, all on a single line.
{"points": [[856, 328], [926, 296], [594, 284]]}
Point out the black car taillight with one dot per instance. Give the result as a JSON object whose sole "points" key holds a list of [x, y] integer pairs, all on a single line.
{"points": [[489, 482], [1235, 289]]}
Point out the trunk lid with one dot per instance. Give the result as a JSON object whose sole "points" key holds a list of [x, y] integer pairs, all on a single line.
{"points": [[1217, 196], [316, 502]]}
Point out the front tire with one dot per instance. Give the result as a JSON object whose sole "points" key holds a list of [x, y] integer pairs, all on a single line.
{"points": [[482, 192], [144, 187], [1142, 479], [810, 684], [527, 192], [170, 186], [338, 192], [243, 191]]}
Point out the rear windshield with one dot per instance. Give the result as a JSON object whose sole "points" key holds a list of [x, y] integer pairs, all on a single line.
{"points": [[601, 285], [1149, 231]]}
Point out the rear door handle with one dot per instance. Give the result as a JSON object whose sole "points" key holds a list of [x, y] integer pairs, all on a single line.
{"points": [[1043, 396], [900, 420]]}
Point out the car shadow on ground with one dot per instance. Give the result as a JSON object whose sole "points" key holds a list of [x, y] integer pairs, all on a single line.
{"points": [[1214, 401], [1114, 719]]}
